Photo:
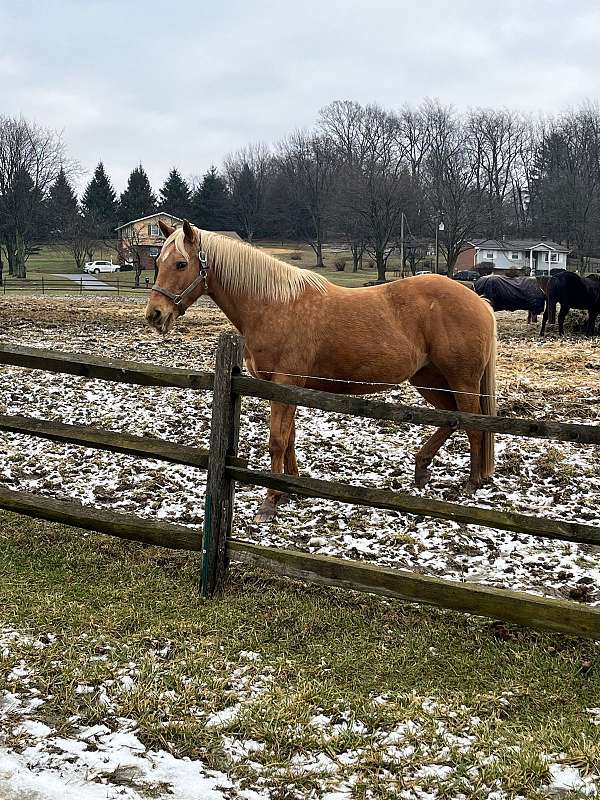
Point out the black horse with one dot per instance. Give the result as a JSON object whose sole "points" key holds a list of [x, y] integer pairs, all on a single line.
{"points": [[512, 294], [570, 290]]}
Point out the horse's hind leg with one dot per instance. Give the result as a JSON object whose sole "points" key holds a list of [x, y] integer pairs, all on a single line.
{"points": [[591, 326], [564, 310], [544, 320], [440, 399], [290, 465]]}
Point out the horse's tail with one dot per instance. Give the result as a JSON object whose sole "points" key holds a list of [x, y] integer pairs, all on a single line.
{"points": [[487, 392]]}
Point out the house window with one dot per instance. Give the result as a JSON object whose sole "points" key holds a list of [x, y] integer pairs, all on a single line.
{"points": [[153, 229], [490, 256], [553, 258], [515, 256]]}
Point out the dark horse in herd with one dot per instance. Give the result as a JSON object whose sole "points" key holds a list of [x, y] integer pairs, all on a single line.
{"points": [[564, 289], [512, 294], [569, 290]]}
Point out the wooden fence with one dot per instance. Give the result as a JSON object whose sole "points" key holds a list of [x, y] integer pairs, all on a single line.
{"points": [[79, 284], [225, 469]]}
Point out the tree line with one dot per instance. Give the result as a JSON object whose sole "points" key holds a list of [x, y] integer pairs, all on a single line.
{"points": [[378, 179]]}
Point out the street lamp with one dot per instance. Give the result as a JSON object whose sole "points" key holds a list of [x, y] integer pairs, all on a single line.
{"points": [[439, 228]]}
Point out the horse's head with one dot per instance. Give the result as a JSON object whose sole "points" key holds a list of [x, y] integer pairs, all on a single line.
{"points": [[181, 277]]}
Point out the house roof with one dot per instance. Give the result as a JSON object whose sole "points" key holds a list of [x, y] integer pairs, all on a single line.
{"points": [[149, 216], [231, 234], [518, 244]]}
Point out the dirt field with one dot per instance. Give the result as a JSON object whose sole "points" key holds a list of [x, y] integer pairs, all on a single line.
{"points": [[547, 379], [283, 689]]}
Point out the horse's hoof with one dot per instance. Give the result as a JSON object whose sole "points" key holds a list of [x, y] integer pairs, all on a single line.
{"points": [[422, 477], [266, 512]]}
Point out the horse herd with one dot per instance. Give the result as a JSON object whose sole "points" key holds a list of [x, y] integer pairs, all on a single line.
{"points": [[536, 295]]}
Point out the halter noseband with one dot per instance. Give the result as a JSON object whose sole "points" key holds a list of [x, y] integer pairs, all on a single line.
{"points": [[177, 299]]}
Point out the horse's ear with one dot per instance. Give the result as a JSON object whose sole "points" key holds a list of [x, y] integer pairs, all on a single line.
{"points": [[166, 229], [188, 232]]}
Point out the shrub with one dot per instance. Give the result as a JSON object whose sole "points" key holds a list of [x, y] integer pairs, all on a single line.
{"points": [[340, 264], [295, 256]]}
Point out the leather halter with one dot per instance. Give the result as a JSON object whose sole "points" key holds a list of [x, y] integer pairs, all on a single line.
{"points": [[177, 299]]}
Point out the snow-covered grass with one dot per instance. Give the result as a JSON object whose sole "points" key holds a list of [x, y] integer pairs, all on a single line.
{"points": [[279, 689], [116, 677]]}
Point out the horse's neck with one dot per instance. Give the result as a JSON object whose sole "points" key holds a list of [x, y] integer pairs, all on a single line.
{"points": [[240, 310]]}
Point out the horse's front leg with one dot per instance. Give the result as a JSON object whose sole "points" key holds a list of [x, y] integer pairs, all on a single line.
{"points": [[283, 456]]}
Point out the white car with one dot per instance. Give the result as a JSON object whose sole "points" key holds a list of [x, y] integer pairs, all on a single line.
{"points": [[101, 266]]}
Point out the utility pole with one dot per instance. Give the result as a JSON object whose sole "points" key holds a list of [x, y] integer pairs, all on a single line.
{"points": [[402, 244], [438, 227]]}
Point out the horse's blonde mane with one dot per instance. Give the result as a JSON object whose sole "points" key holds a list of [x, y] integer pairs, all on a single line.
{"points": [[244, 269]]}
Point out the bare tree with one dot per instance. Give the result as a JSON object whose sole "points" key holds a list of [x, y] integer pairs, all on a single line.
{"points": [[453, 194], [567, 182], [247, 172], [80, 243], [30, 159], [309, 165], [496, 138], [375, 181]]}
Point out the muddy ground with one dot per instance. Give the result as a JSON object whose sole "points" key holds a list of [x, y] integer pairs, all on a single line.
{"points": [[541, 379]]}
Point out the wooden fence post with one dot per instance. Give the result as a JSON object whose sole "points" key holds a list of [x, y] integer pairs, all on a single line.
{"points": [[224, 434]]}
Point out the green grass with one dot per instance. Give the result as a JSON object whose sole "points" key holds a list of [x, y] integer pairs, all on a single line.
{"points": [[56, 259], [321, 651]]}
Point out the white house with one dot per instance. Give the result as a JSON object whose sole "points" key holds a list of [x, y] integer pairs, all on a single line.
{"points": [[530, 256]]}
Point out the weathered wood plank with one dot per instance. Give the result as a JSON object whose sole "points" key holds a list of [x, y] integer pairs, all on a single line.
{"points": [[124, 526], [220, 487], [114, 441], [412, 504], [107, 369], [517, 607], [417, 415]]}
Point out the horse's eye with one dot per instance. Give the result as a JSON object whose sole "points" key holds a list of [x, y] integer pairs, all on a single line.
{"points": [[181, 264]]}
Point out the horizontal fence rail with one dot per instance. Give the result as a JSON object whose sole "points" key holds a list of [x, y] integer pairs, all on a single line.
{"points": [[113, 441], [416, 415], [517, 607], [107, 369], [79, 285], [125, 526], [425, 506], [152, 375]]}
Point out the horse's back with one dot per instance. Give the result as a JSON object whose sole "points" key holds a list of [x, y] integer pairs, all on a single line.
{"points": [[570, 289]]}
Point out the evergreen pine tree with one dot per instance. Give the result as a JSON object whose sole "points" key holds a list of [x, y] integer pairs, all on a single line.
{"points": [[211, 203], [175, 196], [62, 208], [137, 200], [99, 204]]}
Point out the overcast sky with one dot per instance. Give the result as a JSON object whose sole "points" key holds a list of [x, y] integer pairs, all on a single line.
{"points": [[185, 83]]}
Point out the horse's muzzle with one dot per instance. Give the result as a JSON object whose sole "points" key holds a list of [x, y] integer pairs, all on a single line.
{"points": [[159, 320]]}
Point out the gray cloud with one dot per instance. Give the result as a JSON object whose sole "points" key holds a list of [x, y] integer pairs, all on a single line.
{"points": [[184, 85]]}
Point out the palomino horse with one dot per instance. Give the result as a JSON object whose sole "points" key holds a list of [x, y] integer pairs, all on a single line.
{"points": [[429, 330]]}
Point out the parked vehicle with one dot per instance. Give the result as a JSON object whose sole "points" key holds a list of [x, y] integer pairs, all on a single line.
{"points": [[101, 266], [423, 272], [466, 275]]}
